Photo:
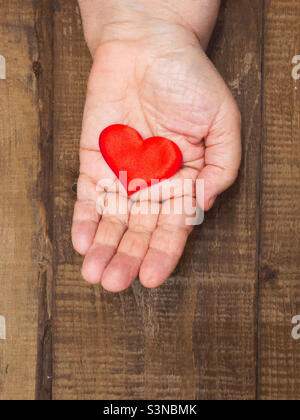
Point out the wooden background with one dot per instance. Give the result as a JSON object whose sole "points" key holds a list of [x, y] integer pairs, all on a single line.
{"points": [[220, 328]]}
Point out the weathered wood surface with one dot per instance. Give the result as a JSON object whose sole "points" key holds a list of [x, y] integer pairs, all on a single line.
{"points": [[23, 233], [220, 328], [279, 297], [224, 266]]}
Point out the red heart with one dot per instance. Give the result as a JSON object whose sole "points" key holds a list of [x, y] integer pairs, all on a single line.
{"points": [[123, 149]]}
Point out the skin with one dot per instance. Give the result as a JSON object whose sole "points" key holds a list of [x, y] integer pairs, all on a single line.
{"points": [[150, 71]]}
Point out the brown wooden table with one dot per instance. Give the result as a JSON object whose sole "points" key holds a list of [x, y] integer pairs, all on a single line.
{"points": [[220, 328]]}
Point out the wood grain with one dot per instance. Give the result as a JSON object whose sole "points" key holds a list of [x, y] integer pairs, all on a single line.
{"points": [[43, 70], [225, 248], [279, 354], [99, 337], [22, 222], [220, 328], [195, 336]]}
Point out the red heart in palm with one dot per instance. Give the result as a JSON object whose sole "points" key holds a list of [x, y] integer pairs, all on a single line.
{"points": [[124, 150]]}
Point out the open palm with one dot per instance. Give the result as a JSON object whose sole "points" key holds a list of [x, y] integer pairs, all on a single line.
{"points": [[175, 93]]}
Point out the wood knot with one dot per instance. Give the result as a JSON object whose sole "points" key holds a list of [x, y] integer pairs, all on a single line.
{"points": [[269, 275], [37, 69]]}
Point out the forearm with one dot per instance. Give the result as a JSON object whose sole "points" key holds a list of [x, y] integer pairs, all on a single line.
{"points": [[108, 20]]}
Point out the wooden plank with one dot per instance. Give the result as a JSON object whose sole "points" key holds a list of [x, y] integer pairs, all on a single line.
{"points": [[279, 356], [98, 339], [43, 70], [23, 232], [195, 336], [224, 250]]}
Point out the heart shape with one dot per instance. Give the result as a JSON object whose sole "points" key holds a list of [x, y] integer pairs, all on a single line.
{"points": [[155, 158]]}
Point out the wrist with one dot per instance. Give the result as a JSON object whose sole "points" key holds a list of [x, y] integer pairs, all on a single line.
{"points": [[143, 20]]}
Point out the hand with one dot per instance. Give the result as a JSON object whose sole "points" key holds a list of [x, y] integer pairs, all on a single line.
{"points": [[162, 85]]}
